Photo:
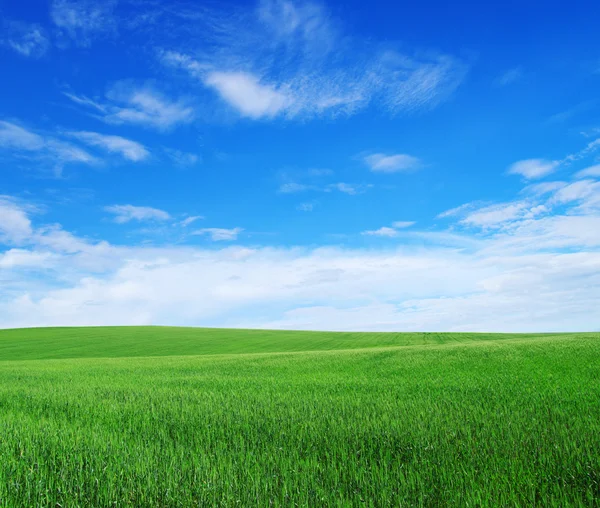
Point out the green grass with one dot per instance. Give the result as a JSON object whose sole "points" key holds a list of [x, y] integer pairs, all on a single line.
{"points": [[119, 342], [361, 420]]}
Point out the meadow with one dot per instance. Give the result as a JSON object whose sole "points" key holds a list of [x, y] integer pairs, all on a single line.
{"points": [[203, 417]]}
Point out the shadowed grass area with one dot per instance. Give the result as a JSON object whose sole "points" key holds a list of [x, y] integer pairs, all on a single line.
{"points": [[113, 342], [511, 422]]}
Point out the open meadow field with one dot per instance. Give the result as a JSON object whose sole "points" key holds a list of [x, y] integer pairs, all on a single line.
{"points": [[155, 416]]}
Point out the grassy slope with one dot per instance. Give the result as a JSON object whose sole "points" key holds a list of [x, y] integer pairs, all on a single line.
{"points": [[113, 342], [484, 423]]}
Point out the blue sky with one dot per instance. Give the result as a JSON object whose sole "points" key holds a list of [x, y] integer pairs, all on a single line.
{"points": [[342, 165]]}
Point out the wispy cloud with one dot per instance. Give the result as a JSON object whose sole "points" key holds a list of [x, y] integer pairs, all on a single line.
{"points": [[351, 189], [401, 224], [293, 187], [21, 141], [509, 77], [498, 215], [181, 158], [382, 163], [15, 136], [27, 39], [189, 220], [130, 150], [576, 110], [83, 20], [590, 172], [292, 60], [532, 169], [348, 188], [454, 211], [128, 213], [130, 103], [219, 234], [383, 231], [306, 207], [389, 232]]}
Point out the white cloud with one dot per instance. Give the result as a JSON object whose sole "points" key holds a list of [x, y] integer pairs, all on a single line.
{"points": [[495, 215], [542, 188], [590, 172], [29, 40], [348, 188], [306, 207], [183, 158], [245, 93], [389, 232], [382, 163], [15, 225], [131, 103], [219, 234], [15, 136], [130, 150], [345, 188], [127, 213], [82, 20], [584, 192], [533, 168], [455, 211], [189, 220], [383, 231], [20, 258], [535, 259], [292, 187], [522, 272], [590, 148], [45, 149], [290, 59], [509, 77], [403, 224]]}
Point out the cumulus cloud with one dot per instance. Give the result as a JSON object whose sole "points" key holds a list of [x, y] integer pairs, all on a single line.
{"points": [[543, 271], [535, 259], [245, 93], [128, 149], [382, 163], [127, 213], [15, 225]]}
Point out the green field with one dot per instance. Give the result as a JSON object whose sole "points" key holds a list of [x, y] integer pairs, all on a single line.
{"points": [[204, 417]]}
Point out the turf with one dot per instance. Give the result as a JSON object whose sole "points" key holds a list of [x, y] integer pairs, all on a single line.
{"points": [[431, 420]]}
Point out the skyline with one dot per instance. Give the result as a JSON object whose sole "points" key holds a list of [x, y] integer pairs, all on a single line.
{"points": [[302, 165]]}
